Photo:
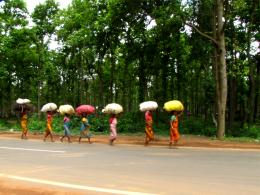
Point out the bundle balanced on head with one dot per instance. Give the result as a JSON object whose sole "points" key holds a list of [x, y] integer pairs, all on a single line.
{"points": [[176, 108]]}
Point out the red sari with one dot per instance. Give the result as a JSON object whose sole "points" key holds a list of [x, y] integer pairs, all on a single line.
{"points": [[148, 126]]}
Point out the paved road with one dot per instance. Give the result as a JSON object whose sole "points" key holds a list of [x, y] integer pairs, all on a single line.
{"points": [[126, 169]]}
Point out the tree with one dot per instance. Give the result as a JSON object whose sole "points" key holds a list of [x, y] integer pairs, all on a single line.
{"points": [[43, 17], [12, 22], [218, 40]]}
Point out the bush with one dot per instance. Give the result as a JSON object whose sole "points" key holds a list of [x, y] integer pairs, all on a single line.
{"points": [[128, 124], [197, 126], [252, 132], [3, 125]]}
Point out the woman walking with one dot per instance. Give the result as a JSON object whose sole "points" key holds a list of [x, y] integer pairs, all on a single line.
{"points": [[174, 128], [85, 128], [149, 134], [175, 107], [24, 124], [66, 125], [48, 130], [113, 130]]}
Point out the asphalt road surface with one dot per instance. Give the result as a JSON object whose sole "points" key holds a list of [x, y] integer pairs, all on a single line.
{"points": [[128, 169]]}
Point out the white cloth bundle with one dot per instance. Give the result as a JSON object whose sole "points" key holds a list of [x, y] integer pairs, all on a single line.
{"points": [[49, 107], [113, 108], [66, 109], [149, 105], [23, 101]]}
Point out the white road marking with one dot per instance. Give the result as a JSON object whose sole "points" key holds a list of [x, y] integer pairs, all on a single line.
{"points": [[193, 147], [34, 150], [73, 186]]}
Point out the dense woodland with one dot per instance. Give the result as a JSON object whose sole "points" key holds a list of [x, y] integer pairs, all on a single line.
{"points": [[202, 52]]}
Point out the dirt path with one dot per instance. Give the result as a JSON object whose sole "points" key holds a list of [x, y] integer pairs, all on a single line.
{"points": [[12, 187], [186, 140]]}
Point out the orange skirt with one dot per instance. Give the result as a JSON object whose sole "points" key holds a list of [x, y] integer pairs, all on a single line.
{"points": [[49, 127], [24, 125], [149, 130], [174, 134]]}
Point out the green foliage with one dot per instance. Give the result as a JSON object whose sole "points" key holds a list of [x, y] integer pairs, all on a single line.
{"points": [[110, 52], [4, 125], [197, 126], [36, 125], [9, 125], [252, 132], [128, 123]]}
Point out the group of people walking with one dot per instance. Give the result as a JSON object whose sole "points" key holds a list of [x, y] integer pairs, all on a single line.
{"points": [[85, 127], [174, 128]]}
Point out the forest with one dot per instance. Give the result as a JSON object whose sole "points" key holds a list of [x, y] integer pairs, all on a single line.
{"points": [[204, 53]]}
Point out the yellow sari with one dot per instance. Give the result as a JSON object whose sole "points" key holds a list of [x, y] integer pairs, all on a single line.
{"points": [[24, 124], [49, 124]]}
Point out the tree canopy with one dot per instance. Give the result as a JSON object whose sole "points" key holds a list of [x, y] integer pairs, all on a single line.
{"points": [[201, 52]]}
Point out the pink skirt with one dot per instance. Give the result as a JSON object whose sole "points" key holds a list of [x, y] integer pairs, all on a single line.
{"points": [[113, 133]]}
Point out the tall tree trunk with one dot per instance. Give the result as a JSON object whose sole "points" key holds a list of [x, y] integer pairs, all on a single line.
{"points": [[252, 65], [2, 98], [101, 85], [232, 101], [165, 70], [125, 86], [112, 82], [251, 98], [222, 73], [220, 66], [142, 81], [257, 98], [39, 98], [39, 82], [232, 82], [8, 96]]}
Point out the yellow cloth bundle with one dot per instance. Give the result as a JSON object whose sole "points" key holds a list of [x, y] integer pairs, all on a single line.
{"points": [[174, 105]]}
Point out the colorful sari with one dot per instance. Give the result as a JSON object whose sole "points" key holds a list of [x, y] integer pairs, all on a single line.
{"points": [[84, 129], [66, 121], [49, 124], [149, 126], [24, 122], [174, 130], [113, 131]]}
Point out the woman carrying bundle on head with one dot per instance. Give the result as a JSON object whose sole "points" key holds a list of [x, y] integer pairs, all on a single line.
{"points": [[22, 105], [66, 110], [149, 134], [175, 107], [148, 107], [66, 125], [48, 130], [113, 109], [113, 129], [84, 111], [49, 108], [85, 128], [174, 128], [24, 123]]}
